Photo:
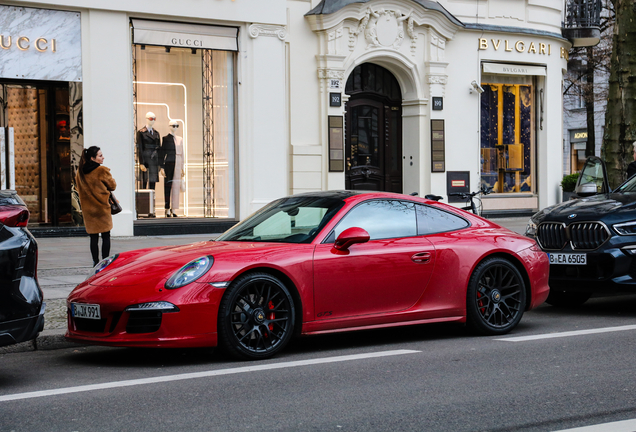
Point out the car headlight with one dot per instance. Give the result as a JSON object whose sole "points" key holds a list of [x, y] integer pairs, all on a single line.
{"points": [[531, 229], [103, 264], [190, 272], [627, 228], [162, 306]]}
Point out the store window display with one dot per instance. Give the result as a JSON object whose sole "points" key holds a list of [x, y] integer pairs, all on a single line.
{"points": [[148, 151], [172, 168], [190, 95], [507, 135]]}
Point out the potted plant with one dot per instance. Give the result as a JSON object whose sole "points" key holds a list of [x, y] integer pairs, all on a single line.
{"points": [[568, 184]]}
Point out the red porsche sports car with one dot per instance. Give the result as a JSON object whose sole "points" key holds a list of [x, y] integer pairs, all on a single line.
{"points": [[314, 263]]}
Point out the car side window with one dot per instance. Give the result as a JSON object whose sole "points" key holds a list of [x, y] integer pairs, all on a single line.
{"points": [[431, 220], [382, 219]]}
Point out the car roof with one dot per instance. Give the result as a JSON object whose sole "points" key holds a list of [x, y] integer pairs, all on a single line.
{"points": [[345, 194]]}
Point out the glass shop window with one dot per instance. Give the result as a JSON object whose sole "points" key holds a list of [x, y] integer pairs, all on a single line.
{"points": [[508, 136], [184, 103]]}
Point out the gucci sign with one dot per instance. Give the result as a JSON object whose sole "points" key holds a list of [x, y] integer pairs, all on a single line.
{"points": [[23, 43]]}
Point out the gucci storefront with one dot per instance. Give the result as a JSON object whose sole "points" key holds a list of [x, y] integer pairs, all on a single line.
{"points": [[159, 90], [40, 113]]}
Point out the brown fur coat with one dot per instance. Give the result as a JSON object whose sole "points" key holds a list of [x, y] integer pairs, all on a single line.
{"points": [[94, 189]]}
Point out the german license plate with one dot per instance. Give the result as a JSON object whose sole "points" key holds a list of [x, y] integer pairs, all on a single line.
{"points": [[82, 310], [568, 258]]}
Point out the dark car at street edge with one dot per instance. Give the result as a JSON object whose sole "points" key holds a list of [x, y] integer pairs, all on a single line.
{"points": [[590, 239], [21, 300]]}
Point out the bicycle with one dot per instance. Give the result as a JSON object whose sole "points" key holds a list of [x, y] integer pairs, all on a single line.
{"points": [[472, 197]]}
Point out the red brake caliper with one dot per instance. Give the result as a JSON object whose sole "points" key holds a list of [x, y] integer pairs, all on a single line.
{"points": [[271, 315], [480, 303]]}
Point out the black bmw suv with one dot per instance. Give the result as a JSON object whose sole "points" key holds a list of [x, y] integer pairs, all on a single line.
{"points": [[21, 305], [590, 239]]}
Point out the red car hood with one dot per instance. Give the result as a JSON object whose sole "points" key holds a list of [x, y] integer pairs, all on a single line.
{"points": [[155, 265]]}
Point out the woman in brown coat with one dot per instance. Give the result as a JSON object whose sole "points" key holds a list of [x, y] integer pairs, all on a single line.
{"points": [[94, 184]]}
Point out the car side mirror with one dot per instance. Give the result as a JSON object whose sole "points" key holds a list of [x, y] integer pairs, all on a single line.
{"points": [[587, 189], [351, 236]]}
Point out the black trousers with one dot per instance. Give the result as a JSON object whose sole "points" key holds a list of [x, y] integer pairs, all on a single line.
{"points": [[95, 247], [167, 182], [144, 181]]}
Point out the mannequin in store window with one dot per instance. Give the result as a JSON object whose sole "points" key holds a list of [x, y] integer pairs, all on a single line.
{"points": [[172, 168], [148, 144]]}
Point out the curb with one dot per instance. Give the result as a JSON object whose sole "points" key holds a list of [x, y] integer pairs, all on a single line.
{"points": [[46, 340]]}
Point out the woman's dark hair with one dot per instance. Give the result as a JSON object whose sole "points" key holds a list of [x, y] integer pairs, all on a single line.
{"points": [[87, 155]]}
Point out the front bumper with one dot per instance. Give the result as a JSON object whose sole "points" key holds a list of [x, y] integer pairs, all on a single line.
{"points": [[193, 325], [607, 270], [23, 329]]}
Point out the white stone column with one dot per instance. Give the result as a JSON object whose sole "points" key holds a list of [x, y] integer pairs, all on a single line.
{"points": [[108, 117], [263, 146]]}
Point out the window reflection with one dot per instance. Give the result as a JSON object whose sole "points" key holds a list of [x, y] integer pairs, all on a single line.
{"points": [[382, 219]]}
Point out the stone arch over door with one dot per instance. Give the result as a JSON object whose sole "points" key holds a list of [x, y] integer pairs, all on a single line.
{"points": [[373, 130]]}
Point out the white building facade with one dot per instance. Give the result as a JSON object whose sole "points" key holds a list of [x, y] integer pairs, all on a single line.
{"points": [[278, 97]]}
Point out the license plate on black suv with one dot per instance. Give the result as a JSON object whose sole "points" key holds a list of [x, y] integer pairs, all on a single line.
{"points": [[568, 258]]}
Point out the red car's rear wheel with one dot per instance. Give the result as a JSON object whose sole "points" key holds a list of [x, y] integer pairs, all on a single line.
{"points": [[256, 317], [496, 297]]}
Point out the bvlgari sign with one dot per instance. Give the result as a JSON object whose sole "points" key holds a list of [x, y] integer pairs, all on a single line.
{"points": [[40, 44]]}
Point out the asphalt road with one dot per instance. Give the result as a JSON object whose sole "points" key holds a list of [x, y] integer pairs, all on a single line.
{"points": [[420, 378]]}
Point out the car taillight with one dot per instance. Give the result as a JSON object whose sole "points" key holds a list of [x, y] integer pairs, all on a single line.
{"points": [[14, 216]]}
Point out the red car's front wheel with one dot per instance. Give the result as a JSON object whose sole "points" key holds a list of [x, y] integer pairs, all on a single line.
{"points": [[496, 297], [256, 317]]}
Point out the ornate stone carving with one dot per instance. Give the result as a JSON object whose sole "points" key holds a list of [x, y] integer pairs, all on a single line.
{"points": [[437, 84], [437, 79], [326, 73], [257, 30], [412, 35], [438, 45], [333, 40], [383, 28]]}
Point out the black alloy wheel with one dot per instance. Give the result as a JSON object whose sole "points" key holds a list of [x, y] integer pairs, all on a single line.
{"points": [[256, 317], [496, 297]]}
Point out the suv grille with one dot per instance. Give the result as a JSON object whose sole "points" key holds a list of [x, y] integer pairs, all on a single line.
{"points": [[587, 235], [552, 235], [581, 235]]}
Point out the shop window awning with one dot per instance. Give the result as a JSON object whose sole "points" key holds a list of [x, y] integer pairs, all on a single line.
{"points": [[181, 35], [513, 69]]}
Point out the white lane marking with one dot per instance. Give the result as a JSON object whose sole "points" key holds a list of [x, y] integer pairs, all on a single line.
{"points": [[204, 374], [619, 426], [568, 334]]}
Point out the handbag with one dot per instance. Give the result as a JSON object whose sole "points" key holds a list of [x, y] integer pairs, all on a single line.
{"points": [[114, 204]]}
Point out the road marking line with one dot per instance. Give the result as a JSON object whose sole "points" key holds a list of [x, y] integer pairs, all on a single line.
{"points": [[619, 426], [568, 334], [204, 374]]}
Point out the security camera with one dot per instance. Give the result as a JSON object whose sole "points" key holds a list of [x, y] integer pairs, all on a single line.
{"points": [[477, 87]]}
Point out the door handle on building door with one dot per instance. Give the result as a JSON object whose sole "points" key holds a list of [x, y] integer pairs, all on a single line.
{"points": [[421, 257]]}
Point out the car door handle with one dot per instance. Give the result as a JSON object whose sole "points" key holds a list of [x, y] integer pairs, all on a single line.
{"points": [[422, 257]]}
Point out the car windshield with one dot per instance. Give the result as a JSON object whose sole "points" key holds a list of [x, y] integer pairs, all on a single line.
{"points": [[288, 220]]}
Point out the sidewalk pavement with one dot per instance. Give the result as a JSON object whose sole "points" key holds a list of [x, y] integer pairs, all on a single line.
{"points": [[64, 262]]}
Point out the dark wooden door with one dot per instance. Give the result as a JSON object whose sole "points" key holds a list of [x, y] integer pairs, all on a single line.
{"points": [[373, 146], [373, 130]]}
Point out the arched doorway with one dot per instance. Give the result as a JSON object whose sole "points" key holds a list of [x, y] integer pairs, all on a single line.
{"points": [[373, 135]]}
